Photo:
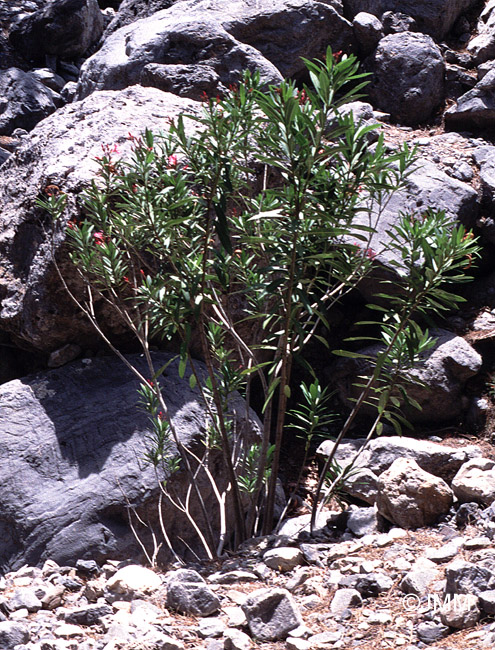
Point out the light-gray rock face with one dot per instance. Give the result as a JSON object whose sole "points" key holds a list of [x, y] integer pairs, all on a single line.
{"points": [[24, 100], [65, 28], [484, 157], [270, 36], [410, 497], [441, 374], [381, 452], [344, 599], [475, 482], [476, 108], [72, 444], [408, 77], [61, 151], [434, 17], [188, 593], [418, 580], [271, 614]]}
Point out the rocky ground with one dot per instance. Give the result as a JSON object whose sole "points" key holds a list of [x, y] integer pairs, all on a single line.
{"points": [[411, 564]]}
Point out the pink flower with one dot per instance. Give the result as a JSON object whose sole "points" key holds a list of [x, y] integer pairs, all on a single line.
{"points": [[172, 161], [99, 238]]}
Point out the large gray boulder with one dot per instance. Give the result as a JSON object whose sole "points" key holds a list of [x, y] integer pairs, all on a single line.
{"points": [[131, 10], [61, 151], [408, 77], [24, 100], [72, 449], [209, 32], [437, 382], [65, 28], [476, 108], [434, 17]]}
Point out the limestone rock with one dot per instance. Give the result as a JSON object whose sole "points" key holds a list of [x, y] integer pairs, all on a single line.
{"points": [[475, 481], [283, 558], [410, 497], [271, 614]]}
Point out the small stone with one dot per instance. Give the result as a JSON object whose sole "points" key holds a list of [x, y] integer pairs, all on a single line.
{"points": [[283, 559], [271, 614], [420, 577], [362, 521], [134, 578], [430, 631], [301, 575], [477, 542], [63, 355], [235, 616], [89, 615], [344, 599], [210, 627], [231, 577], [12, 634], [442, 554], [293, 643], [87, 567], [53, 596], [188, 593], [68, 631], [24, 598], [237, 640], [461, 612], [487, 601]]}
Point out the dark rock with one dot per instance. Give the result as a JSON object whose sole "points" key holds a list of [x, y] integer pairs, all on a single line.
{"points": [[408, 77], [66, 484], [430, 631], [88, 615], [65, 28], [87, 567], [476, 108], [69, 583], [188, 593], [434, 17], [369, 585], [437, 381], [467, 514], [368, 31], [271, 614], [396, 22], [24, 100], [468, 578]]}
